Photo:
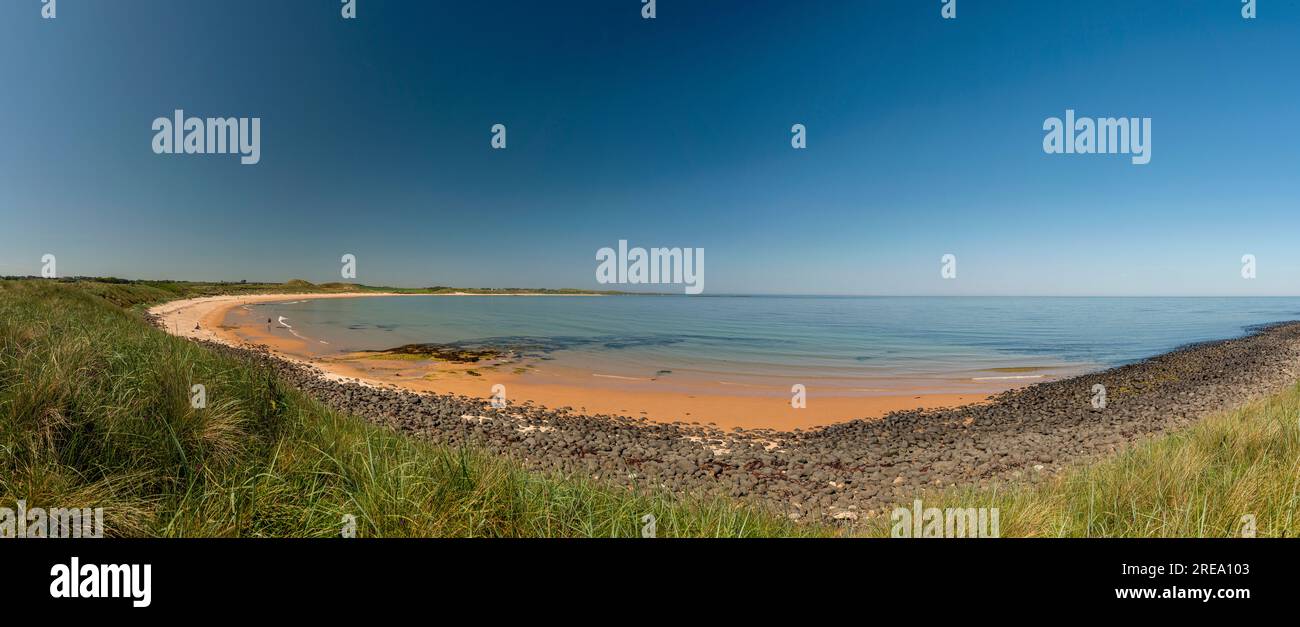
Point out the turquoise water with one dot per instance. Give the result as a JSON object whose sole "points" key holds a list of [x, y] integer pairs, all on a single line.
{"points": [[852, 341]]}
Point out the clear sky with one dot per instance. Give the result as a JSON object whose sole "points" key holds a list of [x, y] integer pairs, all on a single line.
{"points": [[924, 138]]}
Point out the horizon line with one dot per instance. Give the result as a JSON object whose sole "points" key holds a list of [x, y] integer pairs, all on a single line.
{"points": [[647, 293]]}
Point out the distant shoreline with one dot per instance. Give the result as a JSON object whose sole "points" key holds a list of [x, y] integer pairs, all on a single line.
{"points": [[371, 290]]}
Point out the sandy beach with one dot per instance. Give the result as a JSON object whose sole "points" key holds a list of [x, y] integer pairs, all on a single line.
{"points": [[221, 319]]}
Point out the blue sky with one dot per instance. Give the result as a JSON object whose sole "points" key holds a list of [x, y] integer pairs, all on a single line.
{"points": [[924, 138]]}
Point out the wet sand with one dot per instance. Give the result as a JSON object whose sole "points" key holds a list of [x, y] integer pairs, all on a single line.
{"points": [[222, 319]]}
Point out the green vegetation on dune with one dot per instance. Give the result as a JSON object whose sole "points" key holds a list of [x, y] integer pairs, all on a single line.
{"points": [[1214, 479], [95, 412], [128, 292]]}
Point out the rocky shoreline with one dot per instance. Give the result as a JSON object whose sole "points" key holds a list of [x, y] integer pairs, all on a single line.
{"points": [[850, 470]]}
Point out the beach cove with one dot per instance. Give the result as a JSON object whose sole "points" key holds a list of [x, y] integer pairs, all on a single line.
{"points": [[797, 363], [590, 382]]}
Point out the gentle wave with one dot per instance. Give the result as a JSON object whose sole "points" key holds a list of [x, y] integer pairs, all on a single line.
{"points": [[614, 376]]}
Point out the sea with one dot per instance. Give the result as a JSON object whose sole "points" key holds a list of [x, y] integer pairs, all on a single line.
{"points": [[860, 344]]}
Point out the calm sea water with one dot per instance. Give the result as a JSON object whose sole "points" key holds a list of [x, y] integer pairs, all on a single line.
{"points": [[850, 340]]}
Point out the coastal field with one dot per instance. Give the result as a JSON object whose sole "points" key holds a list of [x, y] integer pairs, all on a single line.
{"points": [[95, 409]]}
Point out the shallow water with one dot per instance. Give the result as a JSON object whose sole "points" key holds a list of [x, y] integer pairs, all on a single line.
{"points": [[853, 342]]}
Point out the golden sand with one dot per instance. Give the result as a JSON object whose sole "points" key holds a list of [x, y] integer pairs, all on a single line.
{"points": [[220, 319]]}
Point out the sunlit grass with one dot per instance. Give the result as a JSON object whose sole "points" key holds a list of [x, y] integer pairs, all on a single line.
{"points": [[1209, 480]]}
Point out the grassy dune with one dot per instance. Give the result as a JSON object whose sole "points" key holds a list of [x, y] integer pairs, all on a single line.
{"points": [[95, 412], [127, 293], [1200, 482]]}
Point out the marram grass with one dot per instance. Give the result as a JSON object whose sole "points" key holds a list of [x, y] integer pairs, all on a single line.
{"points": [[1230, 475]]}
